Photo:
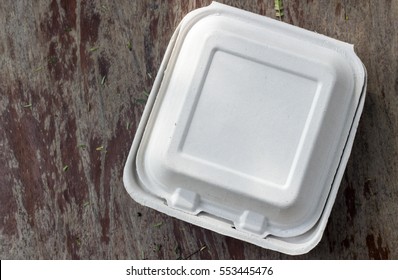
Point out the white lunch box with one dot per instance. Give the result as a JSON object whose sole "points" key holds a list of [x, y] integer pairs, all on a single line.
{"points": [[248, 128]]}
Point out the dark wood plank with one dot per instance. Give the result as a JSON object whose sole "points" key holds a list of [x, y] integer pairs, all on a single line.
{"points": [[73, 74]]}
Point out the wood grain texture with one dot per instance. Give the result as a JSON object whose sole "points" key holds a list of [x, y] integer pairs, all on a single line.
{"points": [[73, 75]]}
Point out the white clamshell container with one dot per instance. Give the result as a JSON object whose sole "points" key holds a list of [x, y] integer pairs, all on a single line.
{"points": [[248, 128]]}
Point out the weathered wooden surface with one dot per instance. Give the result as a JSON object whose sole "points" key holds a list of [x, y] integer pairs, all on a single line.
{"points": [[54, 56]]}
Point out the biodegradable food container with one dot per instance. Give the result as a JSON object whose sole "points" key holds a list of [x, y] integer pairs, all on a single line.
{"points": [[248, 128]]}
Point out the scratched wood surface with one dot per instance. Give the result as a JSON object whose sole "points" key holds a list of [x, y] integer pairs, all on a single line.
{"points": [[72, 80]]}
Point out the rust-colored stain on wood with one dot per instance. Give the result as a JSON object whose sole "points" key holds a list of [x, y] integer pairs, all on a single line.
{"points": [[73, 76]]}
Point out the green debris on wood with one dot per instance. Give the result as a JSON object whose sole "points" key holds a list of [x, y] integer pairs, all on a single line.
{"points": [[140, 100], [143, 100], [157, 247], [103, 80], [93, 49], [104, 8], [86, 204], [279, 9], [178, 253], [38, 69], [158, 225], [100, 148], [68, 29], [65, 168], [202, 248], [52, 60], [129, 46], [82, 146], [29, 105]]}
